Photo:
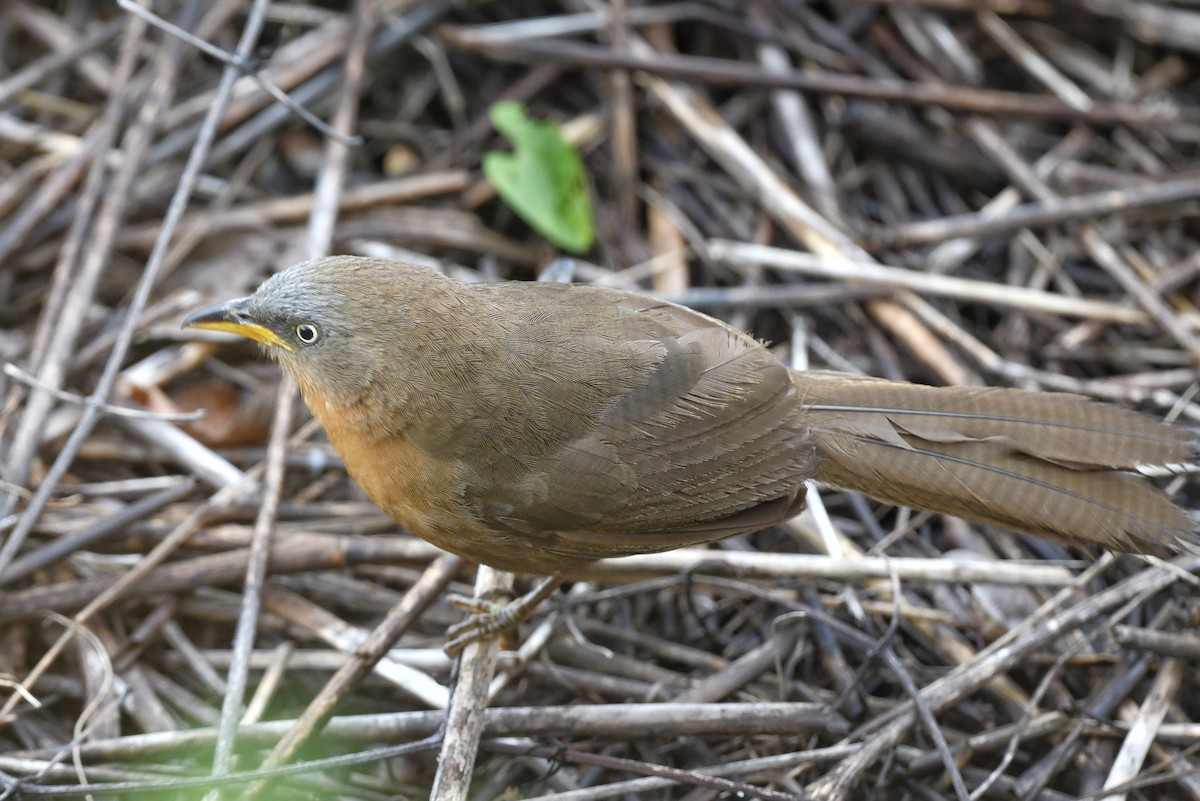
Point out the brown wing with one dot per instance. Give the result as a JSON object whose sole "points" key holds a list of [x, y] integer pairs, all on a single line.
{"points": [[694, 435]]}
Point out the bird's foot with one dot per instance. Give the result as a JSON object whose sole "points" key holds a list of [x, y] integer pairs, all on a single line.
{"points": [[487, 619], [491, 619]]}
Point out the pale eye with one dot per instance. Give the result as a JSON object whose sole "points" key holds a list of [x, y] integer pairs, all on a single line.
{"points": [[307, 333]]}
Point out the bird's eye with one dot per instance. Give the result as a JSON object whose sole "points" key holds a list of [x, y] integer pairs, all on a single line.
{"points": [[307, 333]]}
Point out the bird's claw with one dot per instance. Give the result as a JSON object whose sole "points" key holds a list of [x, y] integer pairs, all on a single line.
{"points": [[490, 618], [475, 605], [487, 621]]}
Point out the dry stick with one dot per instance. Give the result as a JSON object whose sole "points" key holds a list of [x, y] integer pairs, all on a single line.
{"points": [[256, 129], [950, 255], [332, 177], [151, 783], [307, 552], [289, 65], [84, 285], [778, 296], [260, 545], [1154, 23], [1100, 704], [292, 208], [607, 720], [726, 72], [528, 86], [51, 146], [746, 668], [106, 593], [270, 684], [300, 554], [149, 629], [313, 89], [963, 289], [1144, 728], [1185, 773], [296, 609], [155, 314], [1037, 9], [623, 128], [47, 198], [304, 55], [441, 229], [610, 721], [240, 63], [1021, 726], [1146, 296], [992, 661], [667, 778], [137, 144], [1063, 209], [929, 35], [1106, 256], [793, 114], [1029, 624], [708, 779], [596, 20], [738, 159], [465, 716], [732, 152], [189, 704], [1176, 644], [876, 649], [192, 237], [62, 546], [182, 448], [882, 650], [1145, 723], [1095, 244], [810, 566], [112, 410], [57, 34], [1045, 724], [1019, 373], [37, 71], [423, 593], [80, 216], [57, 331], [1034, 63]]}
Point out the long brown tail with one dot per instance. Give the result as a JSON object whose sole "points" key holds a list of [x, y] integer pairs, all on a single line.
{"points": [[1059, 466]]}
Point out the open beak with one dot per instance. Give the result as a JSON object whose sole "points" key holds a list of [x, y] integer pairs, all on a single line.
{"points": [[234, 317]]}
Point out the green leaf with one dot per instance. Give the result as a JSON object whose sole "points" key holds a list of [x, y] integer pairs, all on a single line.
{"points": [[543, 180]]}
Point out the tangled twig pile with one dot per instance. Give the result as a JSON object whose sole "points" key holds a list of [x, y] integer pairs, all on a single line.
{"points": [[950, 192]]}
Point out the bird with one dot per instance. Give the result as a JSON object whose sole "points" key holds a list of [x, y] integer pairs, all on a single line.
{"points": [[537, 427]]}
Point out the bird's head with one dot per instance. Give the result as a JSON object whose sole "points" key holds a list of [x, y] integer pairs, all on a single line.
{"points": [[335, 322]]}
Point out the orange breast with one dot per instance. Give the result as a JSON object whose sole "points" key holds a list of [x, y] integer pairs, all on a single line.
{"points": [[425, 494], [419, 490], [408, 484]]}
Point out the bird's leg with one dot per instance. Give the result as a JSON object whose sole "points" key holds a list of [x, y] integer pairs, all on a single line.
{"points": [[490, 619]]}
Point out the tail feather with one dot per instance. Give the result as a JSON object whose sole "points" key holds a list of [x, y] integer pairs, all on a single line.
{"points": [[1055, 465]]}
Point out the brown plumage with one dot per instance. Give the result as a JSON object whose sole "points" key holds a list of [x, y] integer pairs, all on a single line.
{"points": [[536, 427], [1056, 465]]}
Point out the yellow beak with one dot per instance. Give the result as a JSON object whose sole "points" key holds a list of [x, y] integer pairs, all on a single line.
{"points": [[234, 317]]}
